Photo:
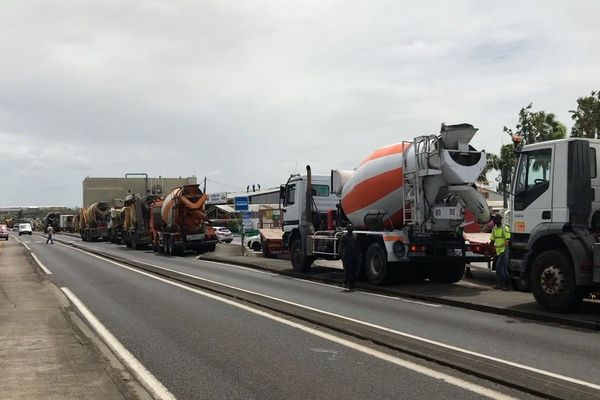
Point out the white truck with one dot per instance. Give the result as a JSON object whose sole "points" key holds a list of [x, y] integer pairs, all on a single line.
{"points": [[555, 220], [406, 203]]}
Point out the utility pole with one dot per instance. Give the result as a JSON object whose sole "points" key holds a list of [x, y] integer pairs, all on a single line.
{"points": [[204, 189]]}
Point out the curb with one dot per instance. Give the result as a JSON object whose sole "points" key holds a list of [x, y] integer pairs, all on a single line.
{"points": [[547, 318], [487, 368], [555, 319]]}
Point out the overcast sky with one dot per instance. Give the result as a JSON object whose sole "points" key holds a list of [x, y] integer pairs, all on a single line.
{"points": [[249, 91]]}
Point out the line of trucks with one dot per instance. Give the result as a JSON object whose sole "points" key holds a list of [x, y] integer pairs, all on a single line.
{"points": [[407, 204], [170, 225]]}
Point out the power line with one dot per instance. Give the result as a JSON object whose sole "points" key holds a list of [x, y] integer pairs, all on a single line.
{"points": [[223, 184]]}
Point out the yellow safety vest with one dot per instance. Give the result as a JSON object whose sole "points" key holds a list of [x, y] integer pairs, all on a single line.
{"points": [[499, 236]]}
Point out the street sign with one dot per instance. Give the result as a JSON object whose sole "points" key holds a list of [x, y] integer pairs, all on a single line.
{"points": [[241, 203], [217, 198]]}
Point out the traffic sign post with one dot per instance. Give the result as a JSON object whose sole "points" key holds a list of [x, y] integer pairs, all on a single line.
{"points": [[241, 204]]}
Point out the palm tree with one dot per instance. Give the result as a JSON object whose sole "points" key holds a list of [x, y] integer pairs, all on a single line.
{"points": [[493, 164]]}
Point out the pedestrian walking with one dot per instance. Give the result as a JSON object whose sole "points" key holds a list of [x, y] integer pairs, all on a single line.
{"points": [[50, 235], [349, 257], [499, 238]]}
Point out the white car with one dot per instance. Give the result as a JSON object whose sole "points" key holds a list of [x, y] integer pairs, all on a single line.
{"points": [[25, 229], [223, 234], [254, 243]]}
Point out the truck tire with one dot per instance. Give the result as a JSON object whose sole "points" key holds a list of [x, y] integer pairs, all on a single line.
{"points": [[376, 264], [553, 282], [450, 274], [300, 262]]}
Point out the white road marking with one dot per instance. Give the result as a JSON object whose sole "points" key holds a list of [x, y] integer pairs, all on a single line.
{"points": [[42, 266], [481, 390], [153, 385], [404, 300], [24, 244], [404, 334], [311, 282]]}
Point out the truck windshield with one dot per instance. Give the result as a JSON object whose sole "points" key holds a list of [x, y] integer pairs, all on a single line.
{"points": [[532, 177]]}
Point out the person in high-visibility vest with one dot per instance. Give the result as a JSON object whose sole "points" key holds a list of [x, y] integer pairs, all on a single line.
{"points": [[499, 238]]}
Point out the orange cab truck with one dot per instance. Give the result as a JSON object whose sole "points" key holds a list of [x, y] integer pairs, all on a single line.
{"points": [[136, 225], [178, 223]]}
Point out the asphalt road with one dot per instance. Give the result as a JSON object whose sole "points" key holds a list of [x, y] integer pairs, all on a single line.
{"points": [[202, 348], [548, 347]]}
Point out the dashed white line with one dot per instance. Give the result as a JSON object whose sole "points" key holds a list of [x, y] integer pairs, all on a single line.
{"points": [[42, 266], [153, 385]]}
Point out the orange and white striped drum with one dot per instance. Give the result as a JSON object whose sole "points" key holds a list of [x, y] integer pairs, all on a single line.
{"points": [[377, 184]]}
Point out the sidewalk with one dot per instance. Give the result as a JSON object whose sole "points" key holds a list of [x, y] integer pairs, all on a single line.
{"points": [[41, 354], [474, 293]]}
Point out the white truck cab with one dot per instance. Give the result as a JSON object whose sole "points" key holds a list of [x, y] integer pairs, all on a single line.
{"points": [[555, 215]]}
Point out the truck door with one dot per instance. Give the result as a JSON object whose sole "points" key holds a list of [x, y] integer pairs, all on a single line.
{"points": [[291, 216], [532, 203]]}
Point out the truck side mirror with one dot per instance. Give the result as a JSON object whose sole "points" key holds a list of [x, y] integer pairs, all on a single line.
{"points": [[506, 174], [282, 193]]}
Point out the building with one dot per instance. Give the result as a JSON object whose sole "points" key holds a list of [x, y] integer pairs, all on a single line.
{"points": [[109, 189]]}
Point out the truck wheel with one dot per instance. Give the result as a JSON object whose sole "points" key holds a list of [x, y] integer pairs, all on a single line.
{"points": [[300, 262], [376, 264], [450, 274], [553, 282]]}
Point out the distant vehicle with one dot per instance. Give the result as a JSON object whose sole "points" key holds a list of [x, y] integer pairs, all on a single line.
{"points": [[223, 234], [25, 229], [4, 232], [16, 228], [253, 242]]}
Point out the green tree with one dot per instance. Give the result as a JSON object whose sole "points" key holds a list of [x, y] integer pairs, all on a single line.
{"points": [[492, 164], [537, 126], [587, 116]]}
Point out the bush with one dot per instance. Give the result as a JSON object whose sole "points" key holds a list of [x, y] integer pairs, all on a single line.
{"points": [[234, 225]]}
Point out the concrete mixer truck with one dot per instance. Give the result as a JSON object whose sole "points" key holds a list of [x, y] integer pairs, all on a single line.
{"points": [[178, 223], [136, 223], [93, 222], [51, 219], [406, 202]]}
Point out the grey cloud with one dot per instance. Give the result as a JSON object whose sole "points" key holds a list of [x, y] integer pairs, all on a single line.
{"points": [[245, 92]]}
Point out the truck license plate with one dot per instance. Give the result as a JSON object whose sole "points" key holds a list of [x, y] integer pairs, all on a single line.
{"points": [[199, 236]]}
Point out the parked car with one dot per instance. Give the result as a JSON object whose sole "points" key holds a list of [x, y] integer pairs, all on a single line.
{"points": [[25, 229], [16, 228], [3, 232], [223, 234], [253, 242]]}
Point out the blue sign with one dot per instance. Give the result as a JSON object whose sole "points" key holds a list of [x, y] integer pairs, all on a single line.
{"points": [[241, 203], [246, 214]]}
